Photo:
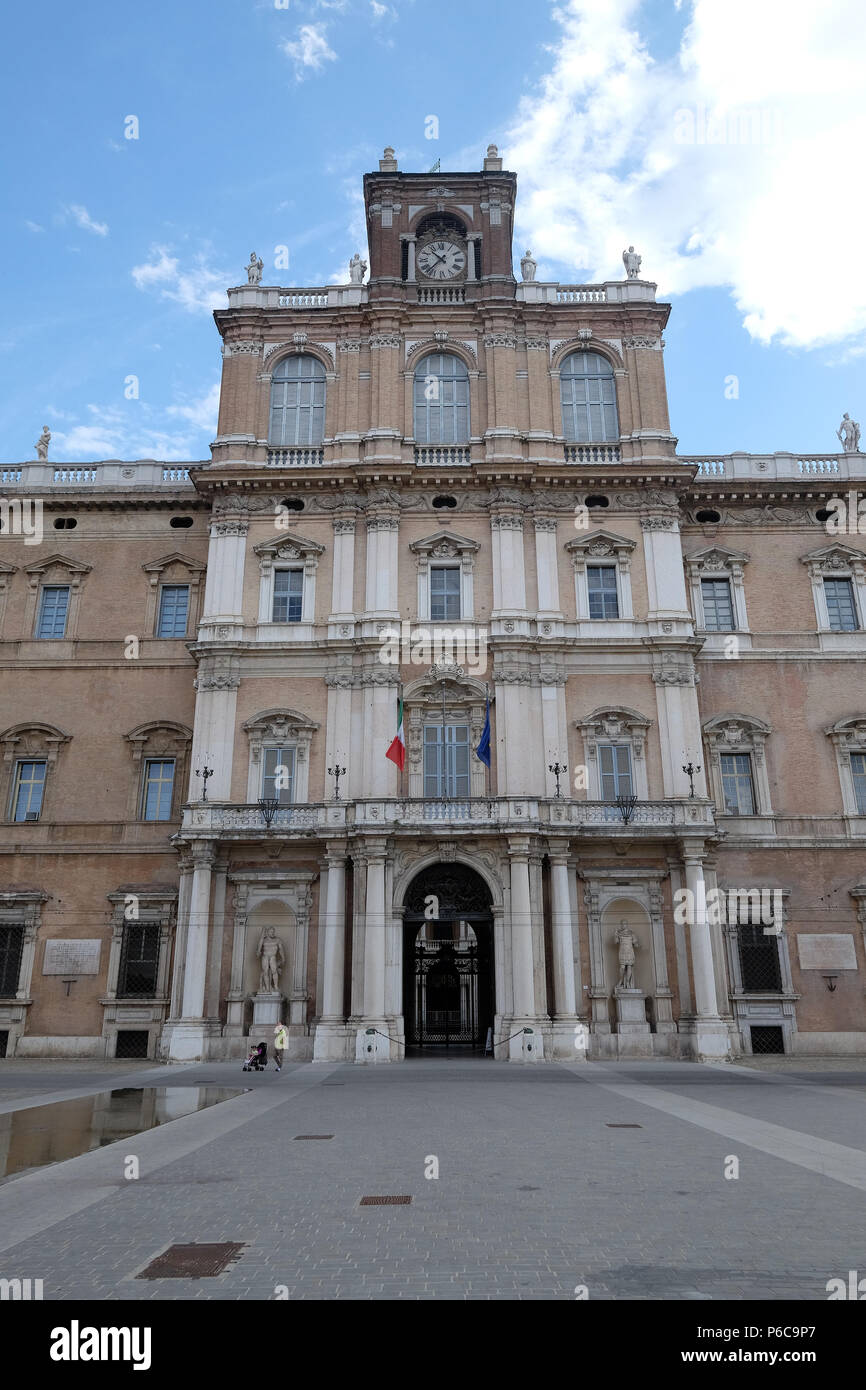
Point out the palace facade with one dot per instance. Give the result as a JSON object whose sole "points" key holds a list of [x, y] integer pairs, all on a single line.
{"points": [[456, 489]]}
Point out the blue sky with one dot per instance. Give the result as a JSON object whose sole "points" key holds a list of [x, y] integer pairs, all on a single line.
{"points": [[719, 136]]}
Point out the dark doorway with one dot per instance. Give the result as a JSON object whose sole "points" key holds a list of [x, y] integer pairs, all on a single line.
{"points": [[448, 993]]}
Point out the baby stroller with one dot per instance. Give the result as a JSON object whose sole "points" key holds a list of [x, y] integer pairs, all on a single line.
{"points": [[258, 1058]]}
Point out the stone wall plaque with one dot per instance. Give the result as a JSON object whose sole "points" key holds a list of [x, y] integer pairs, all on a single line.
{"points": [[826, 951], [65, 956]]}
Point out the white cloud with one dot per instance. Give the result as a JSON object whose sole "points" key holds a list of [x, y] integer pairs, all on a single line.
{"points": [[732, 164], [81, 217], [202, 413], [379, 11], [32, 226], [196, 287], [138, 433], [309, 50]]}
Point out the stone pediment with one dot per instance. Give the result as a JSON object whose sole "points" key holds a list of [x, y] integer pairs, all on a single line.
{"points": [[444, 545], [829, 558], [279, 724], [61, 562], [289, 547], [736, 731], [716, 558], [601, 545], [175, 558]]}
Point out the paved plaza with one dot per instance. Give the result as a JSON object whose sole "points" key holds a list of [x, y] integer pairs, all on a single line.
{"points": [[607, 1177]]}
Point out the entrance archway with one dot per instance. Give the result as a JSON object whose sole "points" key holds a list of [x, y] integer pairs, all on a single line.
{"points": [[448, 992]]}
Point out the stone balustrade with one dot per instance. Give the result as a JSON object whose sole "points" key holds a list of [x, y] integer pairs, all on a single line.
{"points": [[442, 455], [832, 467], [89, 477], [592, 453], [610, 292], [600, 818], [296, 458]]}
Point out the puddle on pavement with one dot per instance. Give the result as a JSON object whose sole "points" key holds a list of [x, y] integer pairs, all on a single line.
{"points": [[66, 1128]]}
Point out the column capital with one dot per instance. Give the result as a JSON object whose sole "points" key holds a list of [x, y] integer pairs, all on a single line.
{"points": [[203, 854], [693, 854], [559, 853]]}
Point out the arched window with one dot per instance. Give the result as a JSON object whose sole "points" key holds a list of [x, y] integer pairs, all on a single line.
{"points": [[441, 400], [588, 399], [297, 402]]}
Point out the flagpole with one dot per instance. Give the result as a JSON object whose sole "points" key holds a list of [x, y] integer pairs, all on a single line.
{"points": [[444, 751], [487, 704], [402, 709]]}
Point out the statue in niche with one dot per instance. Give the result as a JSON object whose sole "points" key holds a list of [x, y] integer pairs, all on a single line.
{"points": [[254, 269], [627, 942], [631, 260], [270, 952]]}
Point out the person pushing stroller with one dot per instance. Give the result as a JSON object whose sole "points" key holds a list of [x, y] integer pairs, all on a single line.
{"points": [[258, 1058]]}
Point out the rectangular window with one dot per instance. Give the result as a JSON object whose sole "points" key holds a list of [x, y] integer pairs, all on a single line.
{"points": [[444, 594], [158, 788], [11, 947], [288, 596], [858, 777], [841, 612], [601, 586], [446, 762], [139, 959], [29, 790], [614, 762], [718, 607], [759, 959], [278, 775], [53, 607], [737, 784], [173, 610]]}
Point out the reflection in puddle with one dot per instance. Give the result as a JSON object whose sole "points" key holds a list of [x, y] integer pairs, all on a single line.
{"points": [[67, 1128]]}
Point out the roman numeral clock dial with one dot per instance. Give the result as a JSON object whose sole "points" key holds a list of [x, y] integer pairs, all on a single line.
{"points": [[441, 260]]}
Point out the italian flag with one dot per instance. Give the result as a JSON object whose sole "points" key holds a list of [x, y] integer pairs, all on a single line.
{"points": [[397, 749]]}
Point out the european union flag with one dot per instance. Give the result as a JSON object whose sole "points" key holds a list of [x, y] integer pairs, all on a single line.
{"points": [[483, 749]]}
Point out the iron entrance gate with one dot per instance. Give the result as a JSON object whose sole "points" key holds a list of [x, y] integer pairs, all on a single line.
{"points": [[448, 996], [446, 993]]}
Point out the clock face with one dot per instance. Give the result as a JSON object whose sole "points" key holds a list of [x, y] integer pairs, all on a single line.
{"points": [[441, 260]]}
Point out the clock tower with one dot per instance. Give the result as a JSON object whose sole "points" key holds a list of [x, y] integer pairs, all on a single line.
{"points": [[440, 238]]}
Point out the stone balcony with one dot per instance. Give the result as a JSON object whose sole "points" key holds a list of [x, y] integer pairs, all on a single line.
{"points": [[390, 815], [831, 468]]}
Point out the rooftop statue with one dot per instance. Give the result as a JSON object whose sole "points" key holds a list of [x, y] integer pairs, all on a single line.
{"points": [[357, 270], [849, 434], [631, 261]]}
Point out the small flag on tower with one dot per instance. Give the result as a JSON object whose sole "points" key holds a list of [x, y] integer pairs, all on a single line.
{"points": [[397, 750], [483, 749]]}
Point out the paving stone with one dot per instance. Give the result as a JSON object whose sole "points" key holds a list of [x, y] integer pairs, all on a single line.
{"points": [[641, 1214]]}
